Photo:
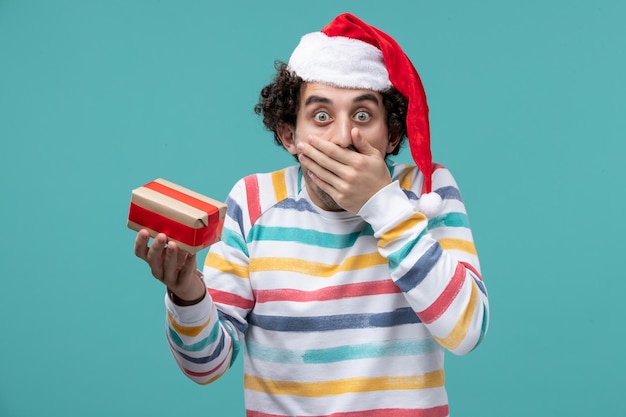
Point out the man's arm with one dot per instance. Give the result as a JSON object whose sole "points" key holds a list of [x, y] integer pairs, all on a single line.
{"points": [[433, 261], [204, 340]]}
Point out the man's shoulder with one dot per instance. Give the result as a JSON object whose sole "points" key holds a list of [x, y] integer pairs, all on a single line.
{"points": [[280, 183], [286, 172], [266, 189], [398, 168], [411, 178]]}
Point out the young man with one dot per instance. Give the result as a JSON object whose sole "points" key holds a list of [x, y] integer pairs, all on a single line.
{"points": [[345, 276]]}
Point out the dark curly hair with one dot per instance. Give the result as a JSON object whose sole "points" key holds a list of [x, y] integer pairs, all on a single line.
{"points": [[279, 101]]}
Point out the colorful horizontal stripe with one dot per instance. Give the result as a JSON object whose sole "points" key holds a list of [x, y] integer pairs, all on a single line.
{"points": [[344, 386], [396, 258], [317, 269], [210, 371], [231, 299], [392, 235], [441, 304], [197, 346], [458, 244], [420, 269], [437, 411], [449, 193], [336, 292], [206, 358], [334, 322], [234, 241], [374, 350], [449, 220], [306, 236], [190, 331], [216, 261], [456, 336], [297, 205]]}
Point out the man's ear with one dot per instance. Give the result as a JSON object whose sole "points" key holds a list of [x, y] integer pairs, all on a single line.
{"points": [[286, 133], [393, 144]]}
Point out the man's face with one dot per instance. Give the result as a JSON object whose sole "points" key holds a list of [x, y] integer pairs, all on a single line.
{"points": [[331, 113]]}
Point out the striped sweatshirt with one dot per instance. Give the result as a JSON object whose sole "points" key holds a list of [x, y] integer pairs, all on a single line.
{"points": [[336, 314]]}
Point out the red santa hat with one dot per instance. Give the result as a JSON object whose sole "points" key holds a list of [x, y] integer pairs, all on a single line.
{"points": [[349, 53]]}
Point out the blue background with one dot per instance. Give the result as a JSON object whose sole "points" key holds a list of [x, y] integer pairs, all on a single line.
{"points": [[99, 97]]}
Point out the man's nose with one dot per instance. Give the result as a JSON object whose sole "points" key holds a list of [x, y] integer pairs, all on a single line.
{"points": [[341, 133]]}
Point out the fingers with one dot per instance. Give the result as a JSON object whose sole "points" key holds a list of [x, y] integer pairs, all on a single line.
{"points": [[151, 254], [327, 154], [141, 244], [362, 146], [174, 267], [173, 262], [324, 159], [189, 265], [349, 177], [155, 255]]}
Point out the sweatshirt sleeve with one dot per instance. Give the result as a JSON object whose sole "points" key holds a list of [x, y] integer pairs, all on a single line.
{"points": [[433, 261], [204, 338]]}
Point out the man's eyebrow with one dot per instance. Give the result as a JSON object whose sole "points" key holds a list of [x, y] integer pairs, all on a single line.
{"points": [[316, 99], [363, 97], [367, 97]]}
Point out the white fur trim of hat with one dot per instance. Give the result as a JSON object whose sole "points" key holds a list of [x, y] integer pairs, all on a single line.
{"points": [[339, 61]]}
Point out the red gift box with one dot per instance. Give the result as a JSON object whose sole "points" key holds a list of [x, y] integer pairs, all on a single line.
{"points": [[191, 219]]}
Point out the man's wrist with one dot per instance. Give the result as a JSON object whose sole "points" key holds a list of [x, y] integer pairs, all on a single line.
{"points": [[184, 302]]}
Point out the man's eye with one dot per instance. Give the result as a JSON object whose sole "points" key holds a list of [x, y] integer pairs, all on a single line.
{"points": [[362, 116], [321, 116]]}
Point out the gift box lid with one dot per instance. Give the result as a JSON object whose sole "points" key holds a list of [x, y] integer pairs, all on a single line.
{"points": [[193, 220], [178, 203]]}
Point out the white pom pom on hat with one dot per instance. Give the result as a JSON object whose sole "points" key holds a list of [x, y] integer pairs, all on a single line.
{"points": [[430, 204], [349, 53]]}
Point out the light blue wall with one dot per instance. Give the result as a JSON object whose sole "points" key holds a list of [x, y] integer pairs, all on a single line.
{"points": [[99, 97]]}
